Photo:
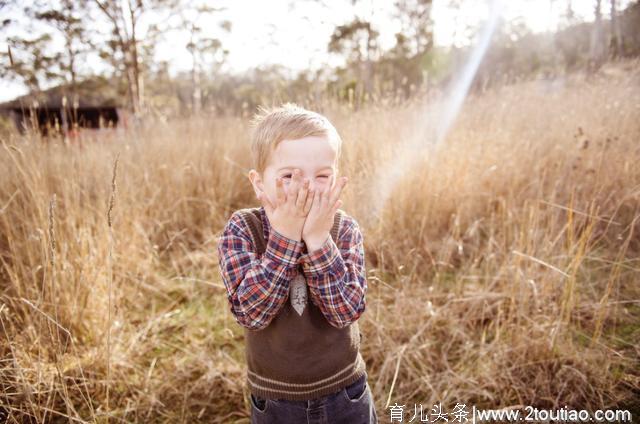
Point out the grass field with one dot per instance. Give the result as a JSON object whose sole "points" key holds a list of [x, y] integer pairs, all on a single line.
{"points": [[503, 274]]}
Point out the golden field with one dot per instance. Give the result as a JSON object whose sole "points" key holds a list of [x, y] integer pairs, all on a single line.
{"points": [[502, 273]]}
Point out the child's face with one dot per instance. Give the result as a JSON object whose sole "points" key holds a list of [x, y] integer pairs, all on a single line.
{"points": [[314, 156]]}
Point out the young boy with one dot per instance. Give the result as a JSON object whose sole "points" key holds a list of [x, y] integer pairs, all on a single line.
{"points": [[295, 277]]}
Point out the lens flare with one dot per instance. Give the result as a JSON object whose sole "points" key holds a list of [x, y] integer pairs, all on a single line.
{"points": [[438, 117]]}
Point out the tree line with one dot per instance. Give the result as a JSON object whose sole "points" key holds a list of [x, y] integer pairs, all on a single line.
{"points": [[121, 37]]}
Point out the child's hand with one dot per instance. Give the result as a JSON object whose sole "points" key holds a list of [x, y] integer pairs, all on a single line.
{"points": [[288, 214], [320, 218]]}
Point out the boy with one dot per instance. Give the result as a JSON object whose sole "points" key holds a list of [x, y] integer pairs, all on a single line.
{"points": [[295, 277]]}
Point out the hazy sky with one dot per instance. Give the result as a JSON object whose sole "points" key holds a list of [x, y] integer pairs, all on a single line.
{"points": [[296, 36]]}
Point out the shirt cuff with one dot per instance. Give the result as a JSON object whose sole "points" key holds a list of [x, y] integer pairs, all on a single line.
{"points": [[283, 249], [320, 260]]}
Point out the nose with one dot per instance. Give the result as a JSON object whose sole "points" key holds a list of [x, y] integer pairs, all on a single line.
{"points": [[314, 184]]}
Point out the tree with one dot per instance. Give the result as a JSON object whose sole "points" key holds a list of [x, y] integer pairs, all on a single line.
{"points": [[413, 51], [614, 44], [205, 50], [596, 50], [417, 25], [124, 17], [124, 21], [31, 61], [67, 20], [357, 41]]}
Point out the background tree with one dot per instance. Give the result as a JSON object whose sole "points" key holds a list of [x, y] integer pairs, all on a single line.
{"points": [[50, 46], [357, 41], [124, 17], [67, 19], [206, 51], [616, 36], [31, 62], [413, 53], [596, 49]]}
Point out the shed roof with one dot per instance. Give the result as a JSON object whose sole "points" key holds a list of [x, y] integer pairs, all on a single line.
{"points": [[91, 93]]}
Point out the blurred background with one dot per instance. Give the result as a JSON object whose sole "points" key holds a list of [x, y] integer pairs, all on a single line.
{"points": [[178, 57], [492, 154]]}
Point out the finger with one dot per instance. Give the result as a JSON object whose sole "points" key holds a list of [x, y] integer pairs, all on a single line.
{"points": [[336, 207], [331, 185], [302, 195], [281, 196], [294, 186], [329, 188], [326, 193], [309, 202], [335, 195], [316, 199]]}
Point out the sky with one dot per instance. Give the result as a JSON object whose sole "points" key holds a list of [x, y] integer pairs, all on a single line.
{"points": [[295, 34]]}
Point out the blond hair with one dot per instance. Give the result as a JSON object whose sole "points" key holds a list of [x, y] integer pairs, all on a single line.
{"points": [[287, 122]]}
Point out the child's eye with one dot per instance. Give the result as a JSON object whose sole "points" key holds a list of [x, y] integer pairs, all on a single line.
{"points": [[319, 176]]}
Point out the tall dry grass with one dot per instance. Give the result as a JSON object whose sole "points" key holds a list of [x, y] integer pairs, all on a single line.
{"points": [[503, 273]]}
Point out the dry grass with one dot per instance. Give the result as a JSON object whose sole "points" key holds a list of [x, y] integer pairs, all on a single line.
{"points": [[504, 272]]}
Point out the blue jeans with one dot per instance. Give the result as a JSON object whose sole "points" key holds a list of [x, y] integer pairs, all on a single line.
{"points": [[351, 405]]}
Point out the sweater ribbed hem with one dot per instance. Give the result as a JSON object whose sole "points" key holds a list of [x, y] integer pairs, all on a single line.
{"points": [[272, 389]]}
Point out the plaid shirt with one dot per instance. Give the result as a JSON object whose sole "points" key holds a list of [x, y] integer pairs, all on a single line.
{"points": [[257, 287]]}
